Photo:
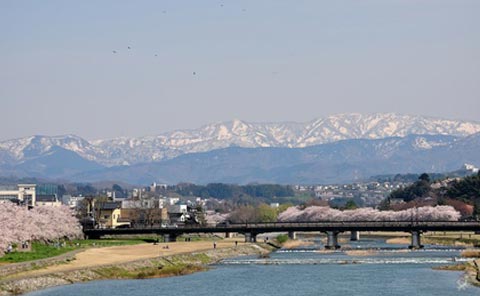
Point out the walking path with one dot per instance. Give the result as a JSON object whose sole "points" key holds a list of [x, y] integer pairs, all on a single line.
{"points": [[95, 257]]}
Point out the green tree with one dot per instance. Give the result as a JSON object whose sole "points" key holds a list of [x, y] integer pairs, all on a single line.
{"points": [[350, 205], [117, 187], [476, 209], [283, 207], [424, 177], [467, 189], [266, 213], [200, 215], [418, 189]]}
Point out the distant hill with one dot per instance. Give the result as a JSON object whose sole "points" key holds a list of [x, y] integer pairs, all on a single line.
{"points": [[339, 148], [53, 163], [134, 150], [410, 178], [338, 162]]}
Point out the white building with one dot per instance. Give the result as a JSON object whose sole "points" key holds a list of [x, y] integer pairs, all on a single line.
{"points": [[178, 213], [172, 200], [25, 193], [72, 201], [471, 168]]}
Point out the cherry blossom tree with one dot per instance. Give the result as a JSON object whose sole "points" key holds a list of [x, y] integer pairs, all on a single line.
{"points": [[317, 213], [19, 224]]}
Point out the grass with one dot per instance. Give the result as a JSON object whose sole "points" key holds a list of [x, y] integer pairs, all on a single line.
{"points": [[455, 267], [115, 272], [471, 254], [109, 242], [43, 251], [202, 258], [446, 240], [39, 251], [198, 238], [437, 237]]}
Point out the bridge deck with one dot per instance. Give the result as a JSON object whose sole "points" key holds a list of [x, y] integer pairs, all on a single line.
{"points": [[257, 228]]}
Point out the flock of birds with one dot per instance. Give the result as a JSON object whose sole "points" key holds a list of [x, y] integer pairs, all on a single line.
{"points": [[129, 48], [156, 55]]}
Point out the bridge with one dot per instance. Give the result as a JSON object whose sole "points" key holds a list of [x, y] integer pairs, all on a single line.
{"points": [[331, 228]]}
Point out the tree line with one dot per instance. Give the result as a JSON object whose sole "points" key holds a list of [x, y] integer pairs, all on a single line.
{"points": [[230, 191], [457, 191]]}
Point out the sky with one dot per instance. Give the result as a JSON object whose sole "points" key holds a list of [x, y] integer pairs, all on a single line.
{"points": [[65, 66]]}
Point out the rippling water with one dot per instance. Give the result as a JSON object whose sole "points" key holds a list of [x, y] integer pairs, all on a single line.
{"points": [[381, 270]]}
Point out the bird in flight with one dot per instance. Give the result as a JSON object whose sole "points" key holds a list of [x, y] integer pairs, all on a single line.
{"points": [[114, 51], [129, 47]]}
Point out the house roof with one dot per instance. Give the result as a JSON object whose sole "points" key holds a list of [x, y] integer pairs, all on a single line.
{"points": [[46, 198], [110, 205]]}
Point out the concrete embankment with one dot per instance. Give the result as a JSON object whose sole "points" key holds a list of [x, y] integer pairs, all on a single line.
{"points": [[163, 266], [15, 268]]}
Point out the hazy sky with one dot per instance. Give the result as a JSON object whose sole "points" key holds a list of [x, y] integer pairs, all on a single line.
{"points": [[197, 62]]}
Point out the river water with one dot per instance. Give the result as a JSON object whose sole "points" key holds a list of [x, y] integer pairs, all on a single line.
{"points": [[377, 269]]}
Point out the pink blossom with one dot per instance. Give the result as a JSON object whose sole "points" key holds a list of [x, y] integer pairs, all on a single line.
{"points": [[18, 224], [316, 213]]}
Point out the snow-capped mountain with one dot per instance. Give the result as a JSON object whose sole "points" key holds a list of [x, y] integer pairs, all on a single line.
{"points": [[338, 162], [128, 151], [19, 150]]}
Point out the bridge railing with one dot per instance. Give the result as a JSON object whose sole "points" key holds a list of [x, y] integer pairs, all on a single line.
{"points": [[226, 227], [349, 223]]}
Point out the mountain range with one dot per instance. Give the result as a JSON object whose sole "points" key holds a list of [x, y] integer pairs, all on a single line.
{"points": [[338, 148], [338, 162]]}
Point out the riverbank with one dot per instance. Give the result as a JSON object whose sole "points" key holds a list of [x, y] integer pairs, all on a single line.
{"points": [[129, 262], [471, 270], [466, 239], [461, 239]]}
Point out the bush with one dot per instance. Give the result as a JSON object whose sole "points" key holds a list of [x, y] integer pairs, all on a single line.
{"points": [[282, 238]]}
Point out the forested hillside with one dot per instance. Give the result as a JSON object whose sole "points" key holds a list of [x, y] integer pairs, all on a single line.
{"points": [[461, 193]]}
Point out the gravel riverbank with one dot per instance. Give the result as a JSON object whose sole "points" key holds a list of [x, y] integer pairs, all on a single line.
{"points": [[161, 266]]}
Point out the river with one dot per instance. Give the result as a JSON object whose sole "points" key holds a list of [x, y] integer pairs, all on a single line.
{"points": [[375, 268]]}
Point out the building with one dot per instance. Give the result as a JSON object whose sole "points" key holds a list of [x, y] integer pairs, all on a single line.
{"points": [[109, 216], [73, 202], [24, 194], [145, 203], [173, 200], [49, 200], [470, 168], [178, 214], [142, 217], [157, 187]]}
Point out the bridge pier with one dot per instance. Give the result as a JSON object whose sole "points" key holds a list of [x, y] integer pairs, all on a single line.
{"points": [[250, 237], [354, 235], [332, 240], [292, 235], [416, 242], [170, 237]]}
